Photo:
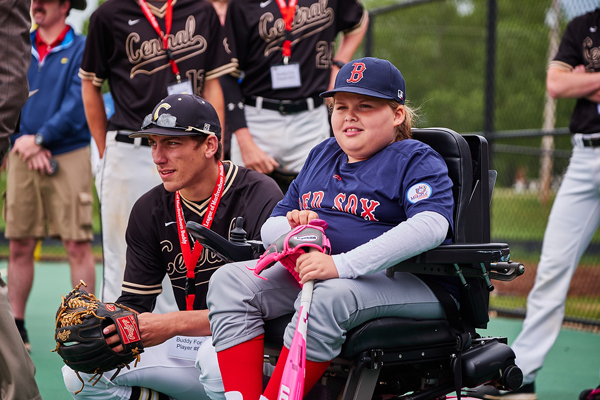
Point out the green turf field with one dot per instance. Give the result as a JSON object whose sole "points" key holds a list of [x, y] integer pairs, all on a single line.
{"points": [[571, 366]]}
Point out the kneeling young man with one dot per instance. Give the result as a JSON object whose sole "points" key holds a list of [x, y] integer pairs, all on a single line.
{"points": [[184, 134]]}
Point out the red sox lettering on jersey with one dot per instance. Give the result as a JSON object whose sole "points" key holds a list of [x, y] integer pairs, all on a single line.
{"points": [[349, 203]]}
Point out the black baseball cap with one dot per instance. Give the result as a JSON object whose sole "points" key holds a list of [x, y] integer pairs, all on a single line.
{"points": [[371, 77], [181, 115]]}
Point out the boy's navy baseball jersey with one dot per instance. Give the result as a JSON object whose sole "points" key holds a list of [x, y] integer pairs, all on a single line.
{"points": [[403, 179]]}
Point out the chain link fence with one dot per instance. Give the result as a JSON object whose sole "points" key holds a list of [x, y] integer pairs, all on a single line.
{"points": [[479, 66]]}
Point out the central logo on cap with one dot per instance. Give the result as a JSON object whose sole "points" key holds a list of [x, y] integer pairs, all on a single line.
{"points": [[357, 73], [166, 106]]}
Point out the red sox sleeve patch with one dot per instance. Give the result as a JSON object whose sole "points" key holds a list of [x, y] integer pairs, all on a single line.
{"points": [[128, 329]]}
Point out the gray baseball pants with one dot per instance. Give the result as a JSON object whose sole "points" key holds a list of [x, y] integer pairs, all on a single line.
{"points": [[574, 218], [240, 302]]}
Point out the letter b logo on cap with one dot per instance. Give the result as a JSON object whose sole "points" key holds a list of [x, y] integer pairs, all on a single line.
{"points": [[357, 73]]}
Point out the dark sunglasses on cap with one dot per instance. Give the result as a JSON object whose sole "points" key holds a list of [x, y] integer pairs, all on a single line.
{"points": [[170, 121]]}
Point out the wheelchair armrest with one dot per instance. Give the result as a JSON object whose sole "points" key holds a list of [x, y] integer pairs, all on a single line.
{"points": [[476, 260], [228, 251], [466, 253]]}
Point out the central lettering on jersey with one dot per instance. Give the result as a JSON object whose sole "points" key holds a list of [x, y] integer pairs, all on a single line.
{"points": [[307, 22], [184, 44], [357, 73], [177, 267], [351, 204]]}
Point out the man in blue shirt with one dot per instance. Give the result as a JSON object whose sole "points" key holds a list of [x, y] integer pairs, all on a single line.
{"points": [[49, 183]]}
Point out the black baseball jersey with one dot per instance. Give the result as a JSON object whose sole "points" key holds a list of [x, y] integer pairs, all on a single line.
{"points": [[255, 32], [581, 45], [123, 47], [153, 247]]}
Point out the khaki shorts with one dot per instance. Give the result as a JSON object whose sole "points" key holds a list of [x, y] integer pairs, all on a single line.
{"points": [[58, 206]]}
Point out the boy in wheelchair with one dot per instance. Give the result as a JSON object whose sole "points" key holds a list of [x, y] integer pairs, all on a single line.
{"points": [[386, 198]]}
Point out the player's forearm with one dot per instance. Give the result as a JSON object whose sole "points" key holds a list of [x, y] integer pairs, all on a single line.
{"points": [[189, 323], [95, 113], [158, 328], [244, 138], [567, 84]]}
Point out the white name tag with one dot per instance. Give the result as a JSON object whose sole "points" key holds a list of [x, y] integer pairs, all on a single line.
{"points": [[180, 88], [185, 347], [285, 76]]}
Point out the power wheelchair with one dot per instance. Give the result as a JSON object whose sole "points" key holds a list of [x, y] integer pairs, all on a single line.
{"points": [[411, 359]]}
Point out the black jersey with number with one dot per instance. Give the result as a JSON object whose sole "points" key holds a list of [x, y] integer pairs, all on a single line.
{"points": [[255, 31], [153, 248], [123, 47], [580, 45]]}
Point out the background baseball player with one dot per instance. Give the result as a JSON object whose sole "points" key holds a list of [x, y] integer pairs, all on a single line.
{"points": [[276, 112], [573, 73], [184, 134], [368, 179], [126, 46]]}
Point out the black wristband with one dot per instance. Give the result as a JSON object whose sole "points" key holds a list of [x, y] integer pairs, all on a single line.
{"points": [[338, 63], [235, 117]]}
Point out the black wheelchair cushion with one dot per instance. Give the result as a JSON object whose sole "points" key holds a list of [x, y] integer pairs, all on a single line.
{"points": [[382, 333], [394, 332]]}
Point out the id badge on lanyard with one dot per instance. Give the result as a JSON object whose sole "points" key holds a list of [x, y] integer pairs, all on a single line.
{"points": [[286, 75], [183, 87]]}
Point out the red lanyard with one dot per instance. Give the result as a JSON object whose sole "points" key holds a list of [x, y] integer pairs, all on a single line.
{"points": [[164, 36], [190, 258], [287, 12]]}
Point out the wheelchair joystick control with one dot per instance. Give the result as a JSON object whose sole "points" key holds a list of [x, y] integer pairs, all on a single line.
{"points": [[238, 234]]}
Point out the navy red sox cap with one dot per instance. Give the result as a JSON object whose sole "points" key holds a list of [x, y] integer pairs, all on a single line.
{"points": [[181, 115], [371, 77]]}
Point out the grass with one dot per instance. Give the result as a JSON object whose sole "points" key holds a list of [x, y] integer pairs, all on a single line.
{"points": [[521, 216], [587, 308]]}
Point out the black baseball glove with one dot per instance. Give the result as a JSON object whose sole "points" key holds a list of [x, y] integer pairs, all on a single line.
{"points": [[80, 320]]}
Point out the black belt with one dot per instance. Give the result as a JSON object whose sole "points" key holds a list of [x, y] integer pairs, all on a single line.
{"points": [[285, 106], [124, 138], [594, 142]]}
